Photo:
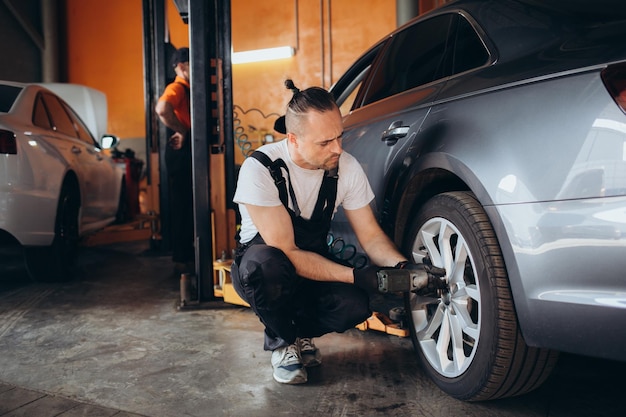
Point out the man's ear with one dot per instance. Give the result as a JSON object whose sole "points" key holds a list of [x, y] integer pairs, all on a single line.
{"points": [[291, 137]]}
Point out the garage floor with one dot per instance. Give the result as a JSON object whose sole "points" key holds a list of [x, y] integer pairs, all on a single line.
{"points": [[112, 343]]}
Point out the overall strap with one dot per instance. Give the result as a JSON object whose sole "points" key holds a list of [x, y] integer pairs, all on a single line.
{"points": [[328, 194], [275, 170]]}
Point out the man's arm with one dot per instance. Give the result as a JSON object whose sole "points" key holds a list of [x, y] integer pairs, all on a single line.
{"points": [[377, 245], [165, 111], [166, 114], [274, 225]]}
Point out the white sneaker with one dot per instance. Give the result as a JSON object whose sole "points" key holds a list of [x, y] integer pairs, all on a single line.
{"points": [[310, 354], [287, 364]]}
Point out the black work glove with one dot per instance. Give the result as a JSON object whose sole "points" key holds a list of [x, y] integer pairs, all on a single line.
{"points": [[366, 278]]}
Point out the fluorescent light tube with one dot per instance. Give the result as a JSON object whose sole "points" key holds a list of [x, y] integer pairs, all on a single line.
{"points": [[258, 55]]}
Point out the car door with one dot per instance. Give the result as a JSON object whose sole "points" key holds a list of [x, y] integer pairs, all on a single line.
{"points": [[398, 86], [108, 181], [82, 156]]}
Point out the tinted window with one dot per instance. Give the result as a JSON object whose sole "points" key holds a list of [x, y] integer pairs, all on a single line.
{"points": [[348, 87], [348, 102], [40, 114], [414, 57], [469, 51], [8, 94], [79, 126], [60, 119]]}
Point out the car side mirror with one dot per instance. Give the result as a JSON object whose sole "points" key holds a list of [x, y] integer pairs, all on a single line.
{"points": [[108, 141]]}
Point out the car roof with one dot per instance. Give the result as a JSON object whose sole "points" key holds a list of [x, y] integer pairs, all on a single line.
{"points": [[19, 96], [88, 103], [549, 28]]}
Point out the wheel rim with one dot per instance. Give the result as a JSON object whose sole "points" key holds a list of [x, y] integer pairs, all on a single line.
{"points": [[447, 322]]}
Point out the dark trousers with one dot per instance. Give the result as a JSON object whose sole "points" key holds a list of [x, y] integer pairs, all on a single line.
{"points": [[291, 306], [181, 206]]}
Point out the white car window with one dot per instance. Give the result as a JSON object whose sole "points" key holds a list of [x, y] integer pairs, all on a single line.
{"points": [[79, 126], [61, 121], [40, 114]]}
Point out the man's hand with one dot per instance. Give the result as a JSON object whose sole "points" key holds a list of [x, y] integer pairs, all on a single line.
{"points": [[176, 141], [376, 279], [367, 278]]}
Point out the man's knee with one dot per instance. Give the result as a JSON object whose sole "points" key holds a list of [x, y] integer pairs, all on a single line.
{"points": [[266, 273]]}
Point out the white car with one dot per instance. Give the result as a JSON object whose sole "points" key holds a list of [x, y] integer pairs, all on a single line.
{"points": [[56, 184]]}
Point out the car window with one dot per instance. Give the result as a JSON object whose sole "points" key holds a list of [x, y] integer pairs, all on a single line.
{"points": [[83, 132], [346, 106], [40, 114], [347, 88], [61, 121], [469, 50], [415, 56], [8, 94]]}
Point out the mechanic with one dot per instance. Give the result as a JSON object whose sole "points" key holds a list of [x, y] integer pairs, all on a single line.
{"points": [[287, 193], [173, 109]]}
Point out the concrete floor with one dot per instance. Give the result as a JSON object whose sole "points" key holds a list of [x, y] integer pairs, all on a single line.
{"points": [[112, 343]]}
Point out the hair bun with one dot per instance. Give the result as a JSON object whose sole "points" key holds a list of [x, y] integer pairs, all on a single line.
{"points": [[291, 86]]}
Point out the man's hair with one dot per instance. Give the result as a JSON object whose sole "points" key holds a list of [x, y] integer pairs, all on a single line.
{"points": [[305, 101], [179, 56]]}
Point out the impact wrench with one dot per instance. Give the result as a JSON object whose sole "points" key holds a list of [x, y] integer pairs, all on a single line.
{"points": [[407, 280]]}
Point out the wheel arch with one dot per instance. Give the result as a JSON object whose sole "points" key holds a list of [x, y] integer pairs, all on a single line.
{"points": [[415, 191], [122, 205], [432, 175], [71, 182]]}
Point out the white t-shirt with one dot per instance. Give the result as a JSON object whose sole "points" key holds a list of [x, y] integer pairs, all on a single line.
{"points": [[255, 186]]}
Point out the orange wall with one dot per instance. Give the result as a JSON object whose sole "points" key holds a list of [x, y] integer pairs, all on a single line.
{"points": [[105, 50], [323, 51]]}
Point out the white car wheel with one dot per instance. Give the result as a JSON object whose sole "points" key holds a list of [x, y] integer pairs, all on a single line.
{"points": [[466, 335]]}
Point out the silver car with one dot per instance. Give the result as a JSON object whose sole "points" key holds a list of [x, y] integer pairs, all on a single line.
{"points": [[55, 182], [494, 136]]}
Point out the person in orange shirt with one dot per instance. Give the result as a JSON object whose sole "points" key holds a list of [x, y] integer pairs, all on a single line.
{"points": [[173, 109]]}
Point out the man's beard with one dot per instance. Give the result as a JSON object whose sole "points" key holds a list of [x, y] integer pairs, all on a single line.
{"points": [[331, 163]]}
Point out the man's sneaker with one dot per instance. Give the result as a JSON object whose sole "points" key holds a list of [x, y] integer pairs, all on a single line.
{"points": [[311, 355], [287, 363]]}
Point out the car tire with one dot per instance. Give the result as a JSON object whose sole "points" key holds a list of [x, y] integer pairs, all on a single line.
{"points": [[55, 263], [121, 216], [466, 336]]}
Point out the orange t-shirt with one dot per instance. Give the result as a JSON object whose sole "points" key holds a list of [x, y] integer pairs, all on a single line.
{"points": [[176, 95]]}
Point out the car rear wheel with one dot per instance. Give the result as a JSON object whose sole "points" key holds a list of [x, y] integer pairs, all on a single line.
{"points": [[55, 263], [121, 216], [466, 335]]}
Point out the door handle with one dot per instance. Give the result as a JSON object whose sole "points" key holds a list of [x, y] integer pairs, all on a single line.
{"points": [[76, 149], [394, 132]]}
